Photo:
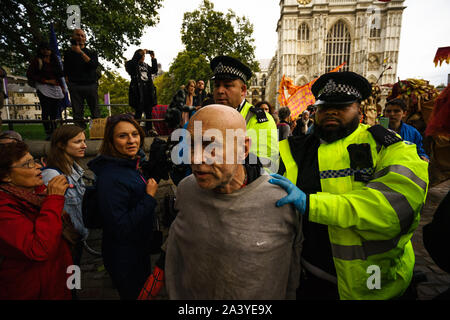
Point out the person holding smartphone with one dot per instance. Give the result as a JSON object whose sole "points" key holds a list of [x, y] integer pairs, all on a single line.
{"points": [[142, 92]]}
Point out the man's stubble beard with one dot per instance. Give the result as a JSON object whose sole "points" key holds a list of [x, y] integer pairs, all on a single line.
{"points": [[336, 133]]}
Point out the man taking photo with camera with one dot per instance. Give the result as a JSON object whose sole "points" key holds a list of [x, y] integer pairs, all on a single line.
{"points": [[80, 69]]}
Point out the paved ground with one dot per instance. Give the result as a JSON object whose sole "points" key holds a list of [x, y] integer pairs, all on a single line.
{"points": [[97, 285]]}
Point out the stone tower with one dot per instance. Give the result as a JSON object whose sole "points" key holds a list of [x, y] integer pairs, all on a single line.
{"points": [[315, 36]]}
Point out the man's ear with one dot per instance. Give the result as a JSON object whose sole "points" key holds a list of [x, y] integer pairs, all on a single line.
{"points": [[243, 89]]}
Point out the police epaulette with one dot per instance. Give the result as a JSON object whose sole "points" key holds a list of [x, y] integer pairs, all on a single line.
{"points": [[384, 136], [260, 114]]}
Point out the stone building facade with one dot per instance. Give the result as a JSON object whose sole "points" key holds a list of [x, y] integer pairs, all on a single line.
{"points": [[258, 83], [315, 36], [20, 93]]}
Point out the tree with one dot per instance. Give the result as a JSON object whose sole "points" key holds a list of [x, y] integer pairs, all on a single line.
{"points": [[117, 87], [205, 34], [187, 65], [211, 33], [111, 26]]}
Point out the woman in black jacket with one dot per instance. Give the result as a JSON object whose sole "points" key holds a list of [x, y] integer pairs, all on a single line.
{"points": [[142, 92], [127, 205]]}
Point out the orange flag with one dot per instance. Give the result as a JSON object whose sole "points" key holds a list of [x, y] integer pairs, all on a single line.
{"points": [[300, 97]]}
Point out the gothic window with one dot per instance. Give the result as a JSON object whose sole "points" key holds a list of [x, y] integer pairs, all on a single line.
{"points": [[338, 47], [263, 81], [375, 33], [303, 32]]}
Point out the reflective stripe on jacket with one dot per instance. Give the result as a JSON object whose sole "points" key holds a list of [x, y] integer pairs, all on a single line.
{"points": [[264, 138], [370, 224]]}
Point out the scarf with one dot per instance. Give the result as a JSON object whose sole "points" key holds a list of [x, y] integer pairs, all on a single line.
{"points": [[35, 198]]}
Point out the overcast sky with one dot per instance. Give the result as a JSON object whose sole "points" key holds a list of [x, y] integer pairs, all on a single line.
{"points": [[425, 27]]}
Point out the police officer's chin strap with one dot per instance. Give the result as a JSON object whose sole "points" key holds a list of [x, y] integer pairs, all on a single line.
{"points": [[239, 108]]}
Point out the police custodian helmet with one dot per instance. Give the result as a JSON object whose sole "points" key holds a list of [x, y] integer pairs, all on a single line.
{"points": [[341, 88], [228, 68]]}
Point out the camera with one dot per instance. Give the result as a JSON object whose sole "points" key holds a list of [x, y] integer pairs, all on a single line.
{"points": [[150, 52], [73, 42], [160, 165]]}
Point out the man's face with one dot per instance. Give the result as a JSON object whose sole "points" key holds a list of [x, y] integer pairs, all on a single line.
{"points": [[214, 166], [200, 85], [394, 113], [79, 36], [305, 116], [334, 123], [229, 92]]}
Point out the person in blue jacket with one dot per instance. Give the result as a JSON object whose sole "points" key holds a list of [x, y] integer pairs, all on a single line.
{"points": [[127, 205], [395, 110]]}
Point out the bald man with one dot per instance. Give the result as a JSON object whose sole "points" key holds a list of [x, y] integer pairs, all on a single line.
{"points": [[80, 69], [229, 240]]}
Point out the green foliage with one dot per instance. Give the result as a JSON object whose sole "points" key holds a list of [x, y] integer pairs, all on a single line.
{"points": [[111, 27], [187, 65], [205, 34], [165, 88], [117, 87], [211, 33]]}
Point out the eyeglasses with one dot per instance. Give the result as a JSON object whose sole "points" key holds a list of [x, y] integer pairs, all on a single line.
{"points": [[30, 164]]}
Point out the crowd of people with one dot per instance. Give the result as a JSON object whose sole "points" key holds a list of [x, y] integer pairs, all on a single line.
{"points": [[292, 209]]}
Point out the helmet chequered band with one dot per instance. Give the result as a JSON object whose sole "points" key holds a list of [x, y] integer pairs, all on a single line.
{"points": [[222, 69], [332, 88], [344, 173]]}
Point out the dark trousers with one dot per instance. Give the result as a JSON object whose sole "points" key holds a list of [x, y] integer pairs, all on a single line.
{"points": [[50, 108], [314, 288], [79, 93], [148, 115], [128, 273], [145, 104], [77, 252]]}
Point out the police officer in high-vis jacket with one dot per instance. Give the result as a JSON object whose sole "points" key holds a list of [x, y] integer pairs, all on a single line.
{"points": [[230, 77], [360, 190]]}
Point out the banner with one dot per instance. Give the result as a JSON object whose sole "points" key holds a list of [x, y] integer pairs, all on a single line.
{"points": [[5, 87], [108, 102], [300, 97]]}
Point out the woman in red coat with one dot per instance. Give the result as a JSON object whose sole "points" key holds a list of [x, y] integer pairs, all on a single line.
{"points": [[33, 255]]}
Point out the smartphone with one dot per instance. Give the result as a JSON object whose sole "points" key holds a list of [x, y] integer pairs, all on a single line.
{"points": [[384, 122], [73, 42]]}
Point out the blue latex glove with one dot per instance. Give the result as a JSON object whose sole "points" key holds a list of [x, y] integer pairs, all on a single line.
{"points": [[295, 196]]}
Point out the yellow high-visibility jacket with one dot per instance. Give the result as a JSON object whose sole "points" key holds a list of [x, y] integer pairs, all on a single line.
{"points": [[370, 224], [264, 138]]}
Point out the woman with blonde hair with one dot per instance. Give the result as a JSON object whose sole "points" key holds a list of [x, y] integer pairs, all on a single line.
{"points": [[182, 105]]}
